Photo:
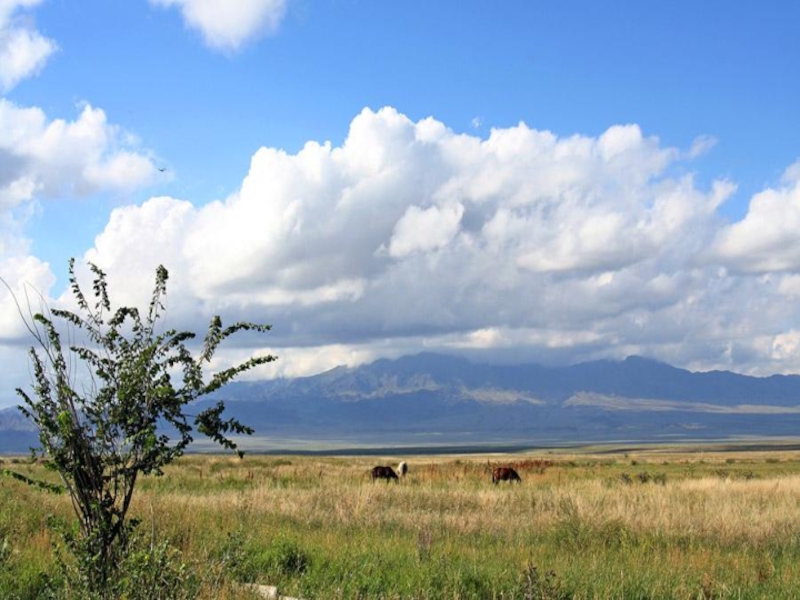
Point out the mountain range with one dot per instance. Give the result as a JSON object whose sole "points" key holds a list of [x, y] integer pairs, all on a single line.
{"points": [[431, 402]]}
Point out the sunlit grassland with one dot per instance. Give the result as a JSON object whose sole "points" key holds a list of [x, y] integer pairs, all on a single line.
{"points": [[663, 523]]}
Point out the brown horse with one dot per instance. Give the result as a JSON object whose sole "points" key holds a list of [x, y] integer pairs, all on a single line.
{"points": [[505, 474]]}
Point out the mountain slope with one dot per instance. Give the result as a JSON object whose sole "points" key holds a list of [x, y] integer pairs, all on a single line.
{"points": [[438, 399]]}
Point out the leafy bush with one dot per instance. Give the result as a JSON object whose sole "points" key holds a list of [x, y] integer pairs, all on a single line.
{"points": [[157, 572], [102, 437], [146, 571]]}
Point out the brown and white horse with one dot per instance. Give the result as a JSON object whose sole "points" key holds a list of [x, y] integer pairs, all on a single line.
{"points": [[383, 472]]}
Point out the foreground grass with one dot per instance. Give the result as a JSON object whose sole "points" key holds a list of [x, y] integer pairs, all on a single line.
{"points": [[647, 525]]}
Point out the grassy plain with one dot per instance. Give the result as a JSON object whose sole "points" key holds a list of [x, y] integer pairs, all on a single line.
{"points": [[596, 523]]}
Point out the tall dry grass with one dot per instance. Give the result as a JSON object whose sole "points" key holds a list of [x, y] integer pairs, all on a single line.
{"points": [[459, 496], [578, 526]]}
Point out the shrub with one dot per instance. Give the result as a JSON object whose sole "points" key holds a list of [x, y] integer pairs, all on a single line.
{"points": [[101, 437], [154, 571]]}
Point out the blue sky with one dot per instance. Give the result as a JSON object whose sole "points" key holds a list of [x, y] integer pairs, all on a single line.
{"points": [[557, 181]]}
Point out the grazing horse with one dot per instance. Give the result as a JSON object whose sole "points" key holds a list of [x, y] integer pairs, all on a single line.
{"points": [[382, 472], [505, 474], [402, 469]]}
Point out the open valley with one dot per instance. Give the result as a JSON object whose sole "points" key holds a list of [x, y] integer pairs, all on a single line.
{"points": [[660, 522]]}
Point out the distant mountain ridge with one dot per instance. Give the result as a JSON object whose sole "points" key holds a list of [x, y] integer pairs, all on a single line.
{"points": [[633, 377], [428, 399]]}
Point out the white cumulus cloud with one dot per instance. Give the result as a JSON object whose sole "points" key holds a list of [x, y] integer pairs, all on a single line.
{"points": [[410, 236], [227, 26], [413, 233], [766, 240], [43, 160], [23, 50], [49, 158]]}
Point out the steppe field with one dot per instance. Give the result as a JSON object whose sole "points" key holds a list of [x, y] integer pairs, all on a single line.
{"points": [[660, 522]]}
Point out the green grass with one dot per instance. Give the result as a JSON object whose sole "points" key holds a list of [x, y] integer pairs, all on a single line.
{"points": [[651, 524]]}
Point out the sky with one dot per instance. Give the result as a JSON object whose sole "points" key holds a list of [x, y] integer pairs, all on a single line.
{"points": [[511, 181]]}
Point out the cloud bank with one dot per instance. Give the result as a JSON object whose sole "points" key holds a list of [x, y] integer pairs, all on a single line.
{"points": [[410, 236]]}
